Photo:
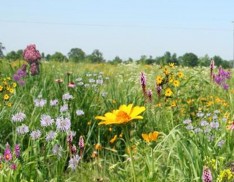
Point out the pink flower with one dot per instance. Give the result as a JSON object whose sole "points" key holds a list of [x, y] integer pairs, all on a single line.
{"points": [[30, 54], [7, 153], [206, 175], [71, 85]]}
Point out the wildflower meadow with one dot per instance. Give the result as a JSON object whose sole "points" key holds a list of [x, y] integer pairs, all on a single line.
{"points": [[125, 122]]}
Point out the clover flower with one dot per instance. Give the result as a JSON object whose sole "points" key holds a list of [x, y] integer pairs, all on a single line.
{"points": [[18, 117]]}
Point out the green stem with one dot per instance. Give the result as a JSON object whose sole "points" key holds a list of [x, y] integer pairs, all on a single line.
{"points": [[127, 142]]}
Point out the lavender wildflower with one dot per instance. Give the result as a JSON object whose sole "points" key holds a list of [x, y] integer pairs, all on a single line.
{"points": [[35, 134], [40, 102], [18, 117], [54, 102], [64, 108], [63, 124], [67, 96], [79, 112], [57, 150], [187, 121], [50, 136], [73, 162], [46, 120], [17, 150], [23, 129]]}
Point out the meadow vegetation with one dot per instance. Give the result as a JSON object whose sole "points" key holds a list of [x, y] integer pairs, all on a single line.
{"points": [[123, 122]]}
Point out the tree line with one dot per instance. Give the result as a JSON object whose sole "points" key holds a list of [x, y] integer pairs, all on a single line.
{"points": [[78, 55]]}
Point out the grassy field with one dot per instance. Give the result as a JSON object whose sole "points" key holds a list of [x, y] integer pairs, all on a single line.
{"points": [[126, 122]]}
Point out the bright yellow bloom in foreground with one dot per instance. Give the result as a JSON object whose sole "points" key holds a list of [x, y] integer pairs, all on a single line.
{"points": [[6, 97], [168, 92], [176, 83], [159, 80], [123, 115], [180, 74], [150, 137]]}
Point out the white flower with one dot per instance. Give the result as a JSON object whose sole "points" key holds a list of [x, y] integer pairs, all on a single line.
{"points": [[64, 108], [63, 124], [79, 112], [79, 79], [18, 117], [54, 102], [57, 150], [67, 96], [187, 121], [35, 134], [73, 162], [40, 102], [23, 129], [50, 136], [46, 120]]}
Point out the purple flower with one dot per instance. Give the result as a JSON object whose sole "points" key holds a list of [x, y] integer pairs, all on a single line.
{"points": [[57, 150], [143, 80], [23, 129], [18, 117], [35, 134], [187, 121], [30, 54], [50, 136], [79, 112], [17, 150], [214, 124], [54, 102], [46, 120], [81, 142], [13, 166], [206, 175], [40, 102], [63, 124], [64, 108], [73, 162], [7, 153], [67, 96]]}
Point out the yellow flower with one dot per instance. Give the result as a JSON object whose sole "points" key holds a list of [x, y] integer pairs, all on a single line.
{"points": [[14, 84], [171, 65], [11, 91], [113, 139], [9, 104], [180, 74], [1, 88], [176, 83], [173, 104], [150, 137], [171, 78], [121, 116], [159, 80], [168, 92], [166, 71], [98, 146], [6, 97]]}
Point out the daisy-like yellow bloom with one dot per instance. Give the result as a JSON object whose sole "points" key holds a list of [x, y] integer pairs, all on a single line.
{"points": [[171, 79], [173, 104], [113, 139], [123, 115], [9, 104], [1, 88], [176, 83], [6, 97], [14, 84], [171, 65], [168, 92], [152, 136], [159, 80], [180, 74]]}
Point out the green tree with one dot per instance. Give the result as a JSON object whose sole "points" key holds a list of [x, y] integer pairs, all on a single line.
{"points": [[76, 55], [1, 50], [204, 61], [117, 60], [96, 57], [190, 59], [14, 55], [218, 61], [58, 56]]}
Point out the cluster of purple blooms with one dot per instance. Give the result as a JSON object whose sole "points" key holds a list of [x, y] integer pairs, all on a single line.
{"points": [[147, 93], [209, 128], [9, 156], [20, 74], [32, 56], [221, 77]]}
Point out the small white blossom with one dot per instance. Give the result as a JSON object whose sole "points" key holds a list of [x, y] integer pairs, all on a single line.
{"points": [[79, 112], [63, 124], [64, 108], [46, 120], [67, 96], [73, 162], [18, 117], [23, 129]]}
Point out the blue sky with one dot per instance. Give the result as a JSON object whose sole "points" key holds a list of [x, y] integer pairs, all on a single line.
{"points": [[125, 28]]}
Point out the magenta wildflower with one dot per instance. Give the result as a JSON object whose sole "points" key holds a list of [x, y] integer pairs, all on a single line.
{"points": [[17, 150], [81, 142], [7, 153], [206, 175], [149, 94], [143, 83], [13, 166]]}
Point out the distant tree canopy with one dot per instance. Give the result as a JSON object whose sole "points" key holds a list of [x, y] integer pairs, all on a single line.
{"points": [[1, 50], [14, 55], [58, 56], [76, 55]]}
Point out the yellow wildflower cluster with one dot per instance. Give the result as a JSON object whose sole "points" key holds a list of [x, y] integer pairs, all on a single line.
{"points": [[152, 136], [7, 89], [225, 175], [168, 80]]}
